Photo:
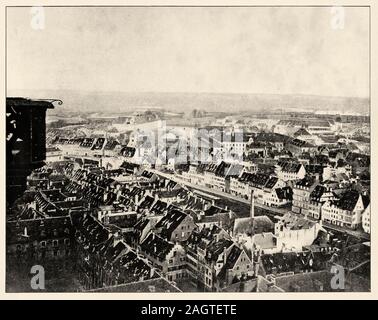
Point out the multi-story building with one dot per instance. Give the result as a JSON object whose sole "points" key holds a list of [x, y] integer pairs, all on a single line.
{"points": [[366, 219], [167, 257], [346, 210], [290, 170], [297, 147], [230, 145], [293, 232], [175, 226], [319, 195], [301, 194]]}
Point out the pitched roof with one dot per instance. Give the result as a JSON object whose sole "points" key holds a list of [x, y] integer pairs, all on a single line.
{"points": [[301, 132], [156, 246], [289, 166], [232, 257], [317, 193], [285, 193], [307, 182], [170, 222], [314, 169], [38, 229], [216, 248], [348, 200], [255, 179], [301, 143], [260, 224], [295, 222], [265, 240]]}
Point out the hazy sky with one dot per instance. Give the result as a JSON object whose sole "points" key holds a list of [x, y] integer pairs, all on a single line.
{"points": [[237, 50]]}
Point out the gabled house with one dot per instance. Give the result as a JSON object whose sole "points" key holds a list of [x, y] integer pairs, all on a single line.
{"points": [[290, 170], [346, 210], [167, 257], [175, 226], [301, 194]]}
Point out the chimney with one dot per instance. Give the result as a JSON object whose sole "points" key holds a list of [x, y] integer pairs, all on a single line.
{"points": [[25, 231], [252, 208]]}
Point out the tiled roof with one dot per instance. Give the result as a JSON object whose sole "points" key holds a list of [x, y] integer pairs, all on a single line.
{"points": [[295, 222], [285, 262], [38, 229], [170, 222], [317, 193], [216, 248], [128, 152], [301, 132], [307, 182], [348, 200], [285, 193], [260, 224], [314, 169], [301, 143], [289, 166], [363, 160], [265, 240], [255, 179], [156, 246]]}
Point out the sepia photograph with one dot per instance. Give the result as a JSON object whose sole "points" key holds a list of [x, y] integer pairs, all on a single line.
{"points": [[187, 149]]}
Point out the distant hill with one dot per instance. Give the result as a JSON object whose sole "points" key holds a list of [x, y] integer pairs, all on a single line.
{"points": [[206, 102]]}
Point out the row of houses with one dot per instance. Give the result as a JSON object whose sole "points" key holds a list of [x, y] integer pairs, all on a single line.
{"points": [[326, 201]]}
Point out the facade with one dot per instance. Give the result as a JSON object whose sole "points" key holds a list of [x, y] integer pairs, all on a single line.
{"points": [[294, 232], [346, 210], [301, 194], [290, 171], [168, 258], [366, 219]]}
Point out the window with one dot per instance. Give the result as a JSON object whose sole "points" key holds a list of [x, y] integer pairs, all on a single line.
{"points": [[43, 244], [55, 243]]}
